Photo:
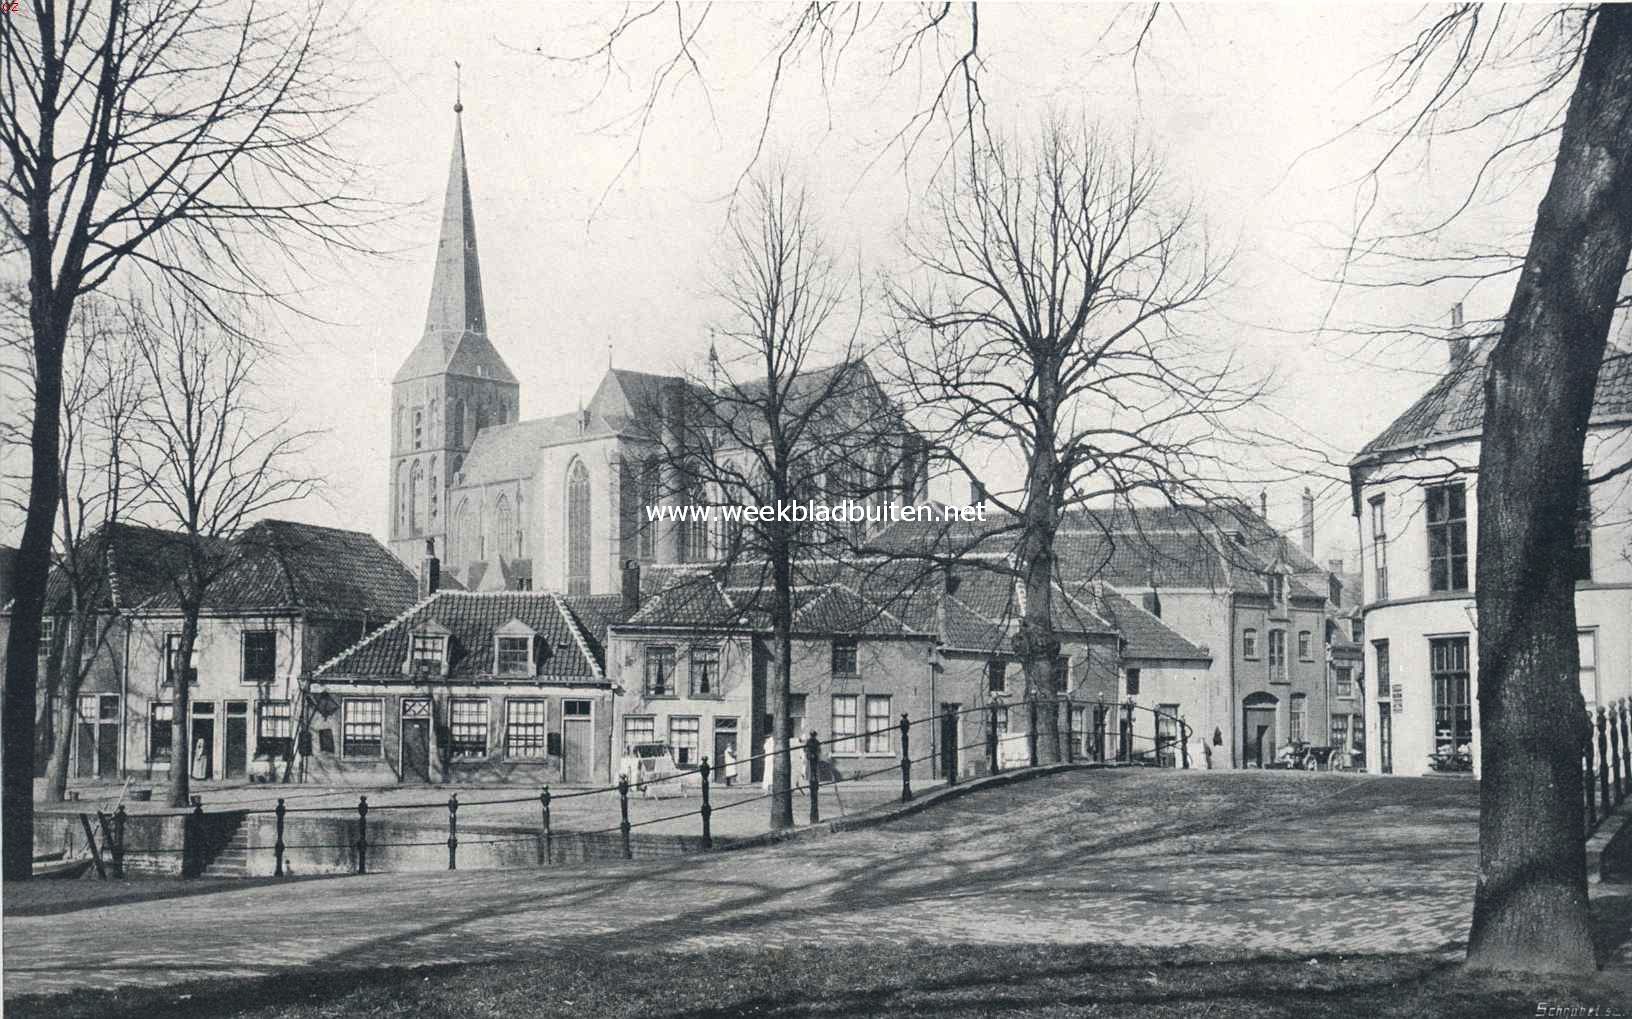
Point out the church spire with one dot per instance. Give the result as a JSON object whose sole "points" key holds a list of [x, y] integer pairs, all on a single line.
{"points": [[456, 289]]}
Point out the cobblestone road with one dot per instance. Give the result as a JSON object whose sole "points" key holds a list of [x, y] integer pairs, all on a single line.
{"points": [[1278, 861]]}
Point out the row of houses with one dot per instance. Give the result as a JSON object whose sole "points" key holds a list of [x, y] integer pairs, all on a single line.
{"points": [[322, 658]]}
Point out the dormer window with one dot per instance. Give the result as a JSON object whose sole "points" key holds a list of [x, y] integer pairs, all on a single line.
{"points": [[515, 656], [429, 649], [515, 649]]}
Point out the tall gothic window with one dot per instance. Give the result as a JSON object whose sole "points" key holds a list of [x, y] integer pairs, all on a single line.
{"points": [[459, 430], [504, 527], [650, 491], [578, 524], [462, 537], [416, 497], [402, 497], [435, 486], [419, 430], [430, 425]]}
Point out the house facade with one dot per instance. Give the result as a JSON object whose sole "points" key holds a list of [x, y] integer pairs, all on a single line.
{"points": [[506, 686], [1415, 499], [288, 595]]}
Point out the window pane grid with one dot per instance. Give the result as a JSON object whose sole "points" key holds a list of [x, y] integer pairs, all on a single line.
{"points": [[515, 656], [525, 725], [660, 660], [468, 727], [845, 707], [880, 738], [362, 727], [705, 671]]}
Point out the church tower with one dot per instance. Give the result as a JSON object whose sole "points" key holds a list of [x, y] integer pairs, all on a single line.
{"points": [[452, 385]]}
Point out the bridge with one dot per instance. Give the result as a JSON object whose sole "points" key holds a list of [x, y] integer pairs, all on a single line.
{"points": [[1244, 862]]}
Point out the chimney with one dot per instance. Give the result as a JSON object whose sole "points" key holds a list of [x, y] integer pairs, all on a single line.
{"points": [[631, 587], [1459, 340], [977, 493], [1153, 603], [1308, 522], [1263, 504], [430, 570]]}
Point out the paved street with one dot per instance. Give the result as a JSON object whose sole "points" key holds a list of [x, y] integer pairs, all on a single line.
{"points": [[1254, 861]]}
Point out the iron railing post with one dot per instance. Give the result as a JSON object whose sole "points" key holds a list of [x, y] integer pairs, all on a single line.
{"points": [[277, 843], [544, 807], [362, 834], [119, 841], [1614, 755], [623, 809], [1184, 744], [707, 810], [1603, 759], [906, 759], [813, 763], [453, 832], [1586, 779], [991, 740]]}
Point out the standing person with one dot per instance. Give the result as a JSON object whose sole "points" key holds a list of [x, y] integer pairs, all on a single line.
{"points": [[768, 762], [730, 764], [201, 760]]}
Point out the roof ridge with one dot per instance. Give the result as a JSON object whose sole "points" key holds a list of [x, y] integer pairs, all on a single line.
{"points": [[577, 634], [384, 628]]}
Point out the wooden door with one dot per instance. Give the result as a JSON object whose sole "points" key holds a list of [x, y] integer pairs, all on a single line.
{"points": [[235, 763], [1385, 738], [577, 741], [1259, 732], [949, 741], [416, 749]]}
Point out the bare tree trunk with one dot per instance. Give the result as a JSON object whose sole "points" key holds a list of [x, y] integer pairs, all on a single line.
{"points": [[17, 750], [70, 672], [782, 694], [181, 755], [1530, 905]]}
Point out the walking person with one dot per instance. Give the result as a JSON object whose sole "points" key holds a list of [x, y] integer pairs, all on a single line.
{"points": [[730, 764]]}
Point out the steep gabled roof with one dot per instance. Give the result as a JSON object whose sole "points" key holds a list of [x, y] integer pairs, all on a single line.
{"points": [[272, 565], [470, 620], [1146, 636], [1454, 405], [455, 338], [326, 570]]}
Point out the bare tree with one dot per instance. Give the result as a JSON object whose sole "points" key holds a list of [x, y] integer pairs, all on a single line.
{"points": [[1053, 316], [103, 394], [786, 418], [209, 461], [174, 138], [1543, 91]]}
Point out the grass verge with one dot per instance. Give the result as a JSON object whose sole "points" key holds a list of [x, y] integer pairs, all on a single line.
{"points": [[896, 979]]}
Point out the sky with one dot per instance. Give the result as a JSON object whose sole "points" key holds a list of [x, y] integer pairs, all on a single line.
{"points": [[597, 250]]}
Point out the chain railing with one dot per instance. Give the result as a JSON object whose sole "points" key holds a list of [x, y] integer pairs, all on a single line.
{"points": [[1114, 738], [1606, 762]]}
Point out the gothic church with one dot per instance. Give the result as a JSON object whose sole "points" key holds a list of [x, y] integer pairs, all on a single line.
{"points": [[545, 503]]}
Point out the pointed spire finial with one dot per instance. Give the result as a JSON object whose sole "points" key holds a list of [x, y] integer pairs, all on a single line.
{"points": [[458, 88]]}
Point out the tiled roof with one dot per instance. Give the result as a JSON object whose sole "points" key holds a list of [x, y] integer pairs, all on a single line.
{"points": [[274, 564], [470, 620], [508, 452], [595, 614], [1146, 635], [1455, 403], [283, 564], [126, 565]]}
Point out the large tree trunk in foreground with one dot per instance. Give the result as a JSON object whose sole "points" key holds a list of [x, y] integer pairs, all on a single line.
{"points": [[17, 749], [1530, 907]]}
